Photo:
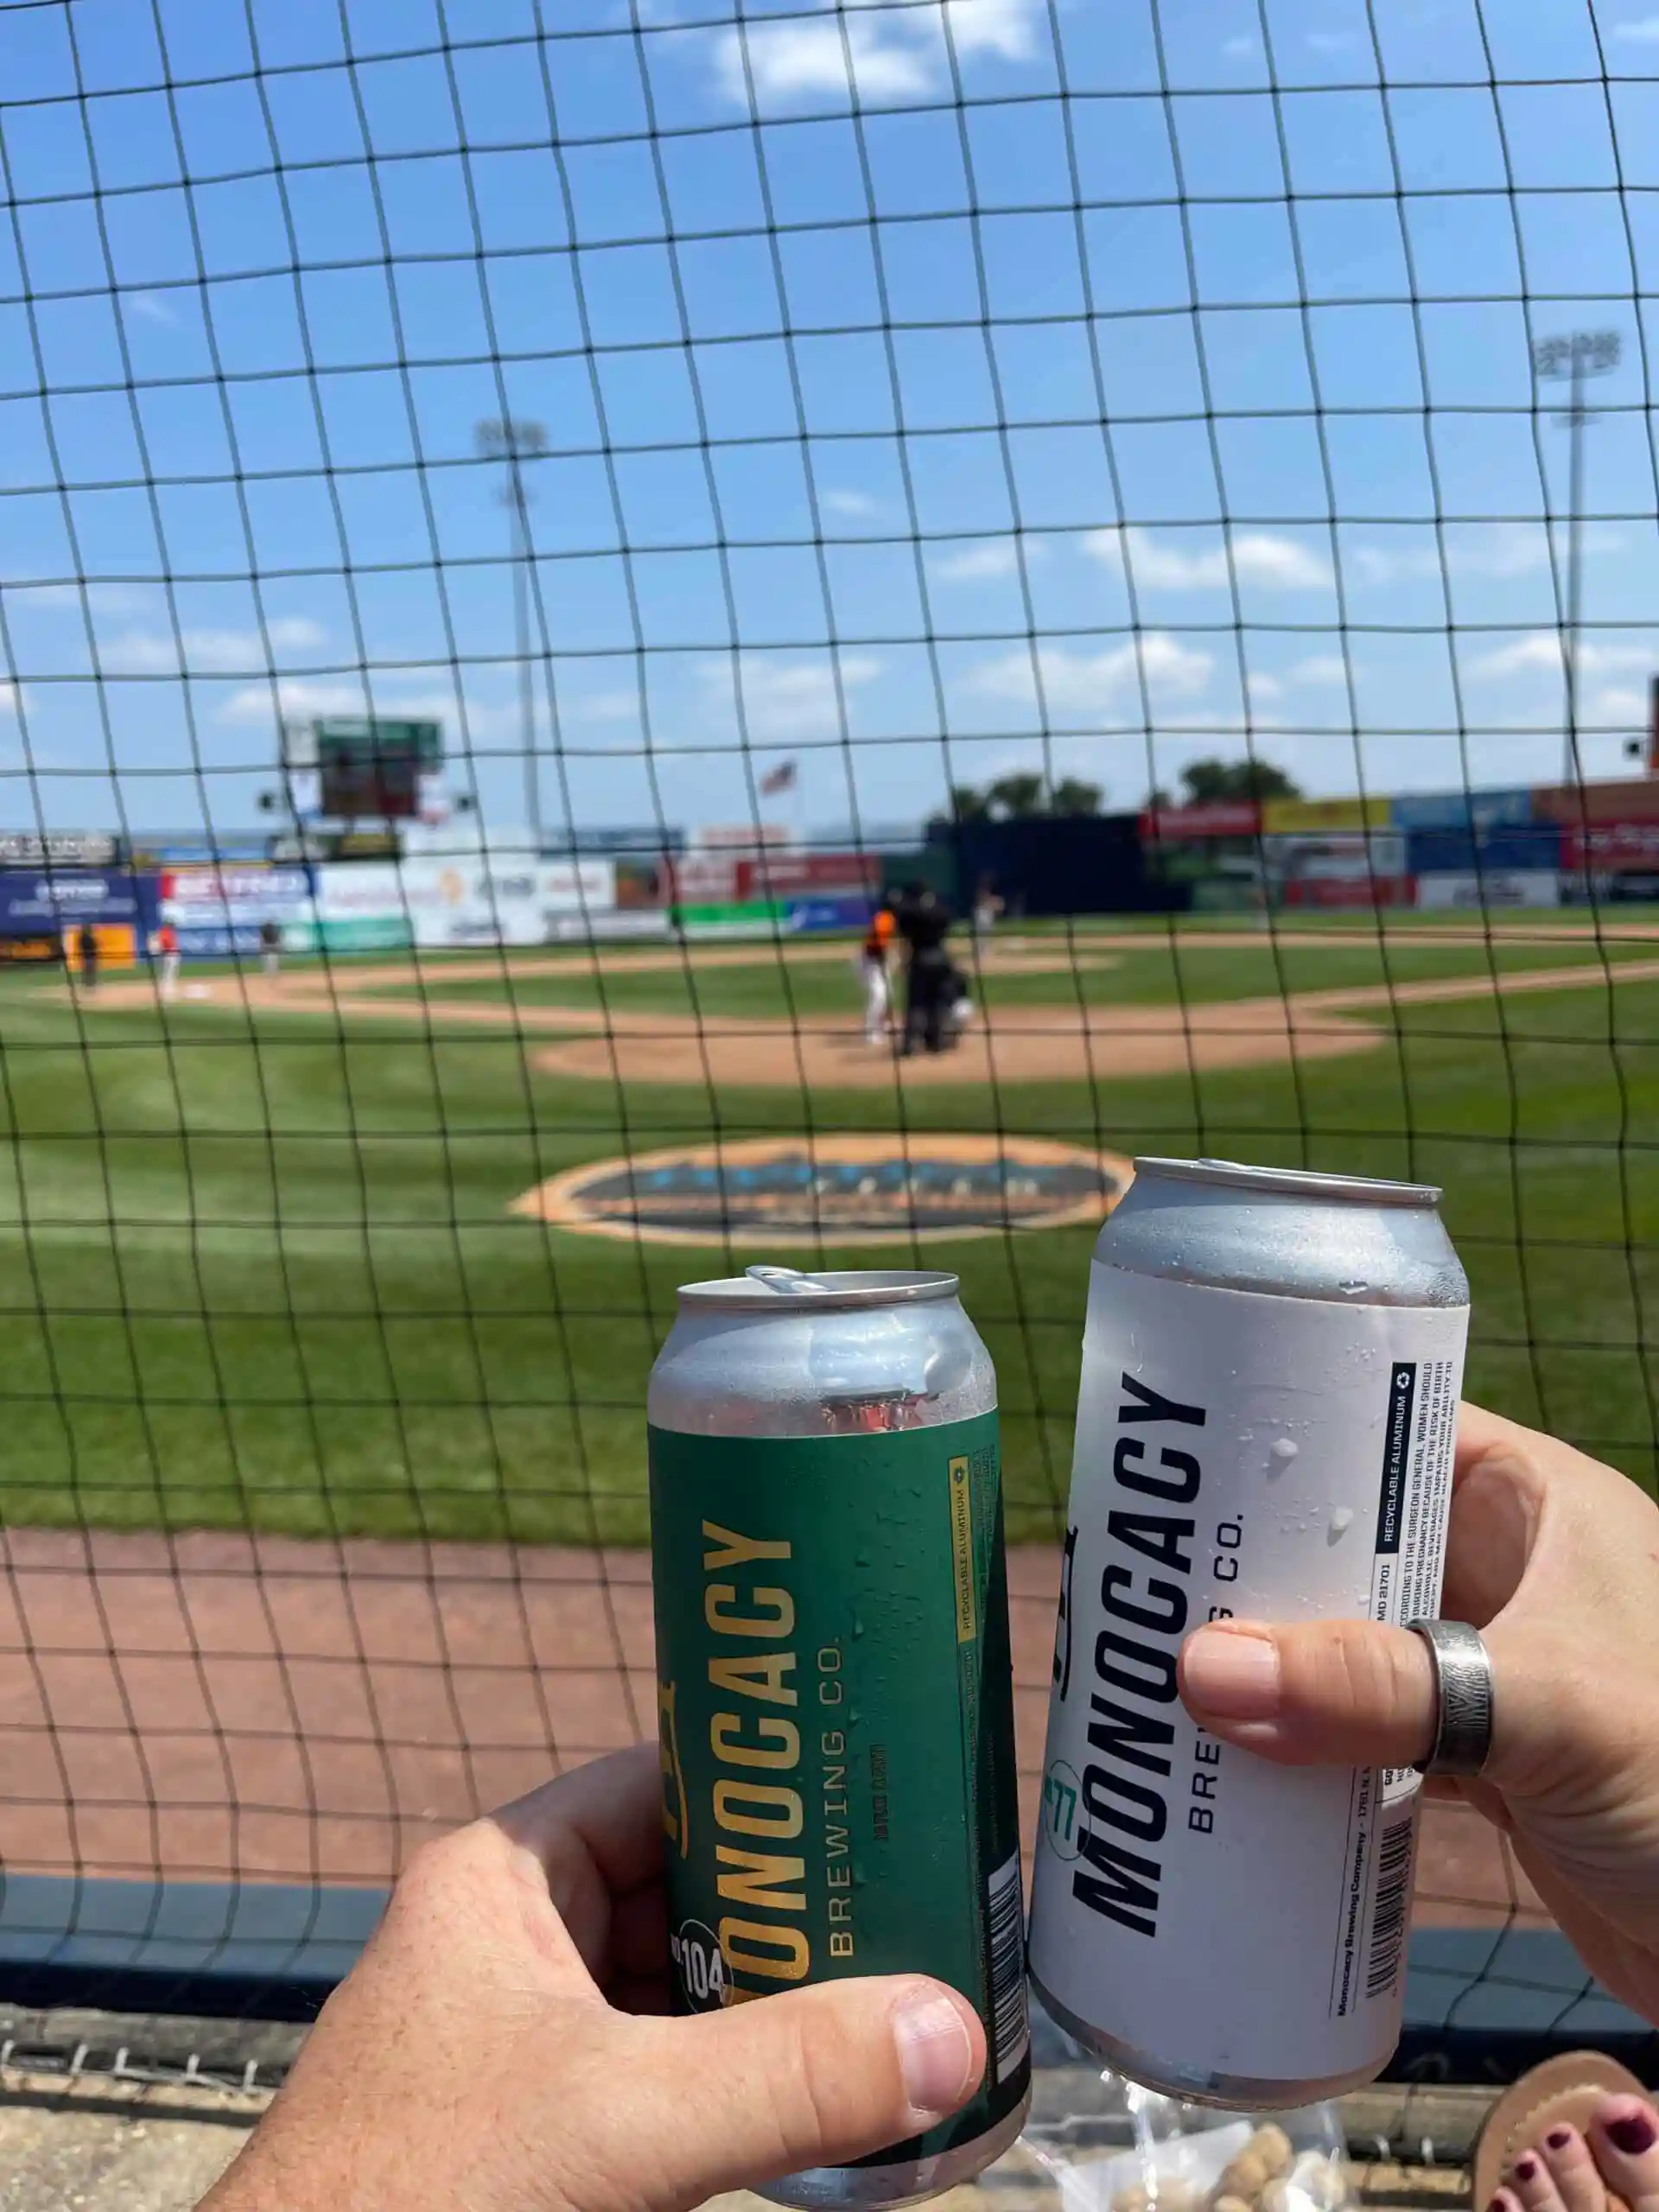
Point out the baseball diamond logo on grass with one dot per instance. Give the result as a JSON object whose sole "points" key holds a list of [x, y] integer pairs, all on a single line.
{"points": [[843, 1190]]}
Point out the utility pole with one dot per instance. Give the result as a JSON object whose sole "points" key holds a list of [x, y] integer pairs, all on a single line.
{"points": [[1581, 354], [512, 441]]}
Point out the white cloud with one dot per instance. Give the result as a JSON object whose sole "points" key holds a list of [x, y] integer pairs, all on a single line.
{"points": [[1332, 41], [784, 700], [1091, 683], [1239, 49], [1644, 30], [1320, 668], [206, 652], [1211, 723], [1501, 551], [1256, 556], [602, 707], [1264, 687], [1596, 658], [873, 52], [300, 698], [1380, 565], [1510, 550], [1541, 650], [999, 27], [23, 596], [995, 557], [1619, 702], [784, 61], [841, 502], [149, 305], [11, 697]]}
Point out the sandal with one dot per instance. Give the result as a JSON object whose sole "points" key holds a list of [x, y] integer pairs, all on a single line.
{"points": [[1568, 2089]]}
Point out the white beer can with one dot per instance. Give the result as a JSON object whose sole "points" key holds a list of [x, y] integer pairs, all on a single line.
{"points": [[1271, 1370]]}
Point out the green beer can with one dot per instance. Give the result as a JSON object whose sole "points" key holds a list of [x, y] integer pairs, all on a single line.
{"points": [[834, 1697]]}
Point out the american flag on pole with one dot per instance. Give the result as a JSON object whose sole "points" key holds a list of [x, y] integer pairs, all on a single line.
{"points": [[780, 778]]}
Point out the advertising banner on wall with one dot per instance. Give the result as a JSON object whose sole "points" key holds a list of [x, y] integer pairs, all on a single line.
{"points": [[640, 883], [1350, 856], [1613, 845], [1285, 817], [1538, 887], [783, 875], [625, 923], [1467, 810], [701, 880], [742, 836], [1632, 798], [772, 918], [220, 911], [850, 912], [200, 852], [358, 907], [1455, 852], [116, 944], [1353, 891], [756, 918], [493, 898], [36, 902], [56, 848], [644, 841], [1221, 817]]}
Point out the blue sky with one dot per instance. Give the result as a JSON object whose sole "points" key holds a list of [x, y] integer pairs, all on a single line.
{"points": [[932, 389]]}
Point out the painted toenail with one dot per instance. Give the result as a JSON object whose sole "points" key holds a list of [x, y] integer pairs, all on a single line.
{"points": [[1526, 2169], [1559, 2137], [1632, 2135]]}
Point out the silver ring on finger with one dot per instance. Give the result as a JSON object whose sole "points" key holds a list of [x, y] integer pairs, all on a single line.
{"points": [[1463, 1697]]}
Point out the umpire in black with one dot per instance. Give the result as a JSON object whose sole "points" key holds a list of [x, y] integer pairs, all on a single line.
{"points": [[924, 922]]}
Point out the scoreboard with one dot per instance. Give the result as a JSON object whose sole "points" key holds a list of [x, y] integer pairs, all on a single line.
{"points": [[373, 770]]}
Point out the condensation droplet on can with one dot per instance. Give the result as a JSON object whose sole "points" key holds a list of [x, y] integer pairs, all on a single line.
{"points": [[1282, 1448], [1342, 1519]]}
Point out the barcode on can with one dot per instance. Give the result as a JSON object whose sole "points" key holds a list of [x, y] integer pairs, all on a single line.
{"points": [[1393, 1904], [1011, 2027]]}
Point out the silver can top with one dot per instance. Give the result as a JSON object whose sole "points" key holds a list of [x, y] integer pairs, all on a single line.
{"points": [[766, 1289], [1293, 1182], [1285, 1232]]}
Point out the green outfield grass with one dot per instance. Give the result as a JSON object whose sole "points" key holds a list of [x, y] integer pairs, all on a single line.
{"points": [[258, 1269]]}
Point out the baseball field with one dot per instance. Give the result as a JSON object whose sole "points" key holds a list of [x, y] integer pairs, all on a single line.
{"points": [[274, 1257]]}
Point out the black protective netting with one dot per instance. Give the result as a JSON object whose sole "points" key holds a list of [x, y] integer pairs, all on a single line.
{"points": [[1175, 475]]}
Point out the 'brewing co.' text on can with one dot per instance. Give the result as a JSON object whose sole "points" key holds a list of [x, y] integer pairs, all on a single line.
{"points": [[834, 1699], [1270, 1379]]}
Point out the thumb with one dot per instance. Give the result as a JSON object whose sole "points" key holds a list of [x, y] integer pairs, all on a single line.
{"points": [[811, 2077]]}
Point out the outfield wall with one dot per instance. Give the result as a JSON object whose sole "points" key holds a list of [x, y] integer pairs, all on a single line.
{"points": [[1510, 848]]}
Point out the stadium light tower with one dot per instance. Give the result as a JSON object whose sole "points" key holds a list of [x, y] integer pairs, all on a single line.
{"points": [[1573, 358], [512, 439]]}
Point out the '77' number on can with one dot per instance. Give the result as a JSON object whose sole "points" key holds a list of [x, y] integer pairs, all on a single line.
{"points": [[1061, 1791]]}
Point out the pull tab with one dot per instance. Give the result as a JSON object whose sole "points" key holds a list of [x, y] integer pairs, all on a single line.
{"points": [[784, 1280]]}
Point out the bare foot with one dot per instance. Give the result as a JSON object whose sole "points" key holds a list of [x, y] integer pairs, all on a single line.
{"points": [[1616, 2157]]}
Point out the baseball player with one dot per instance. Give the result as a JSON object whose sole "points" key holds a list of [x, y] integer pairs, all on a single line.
{"points": [[167, 944], [873, 957]]}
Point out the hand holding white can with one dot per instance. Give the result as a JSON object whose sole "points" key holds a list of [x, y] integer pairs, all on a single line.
{"points": [[1271, 1372]]}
